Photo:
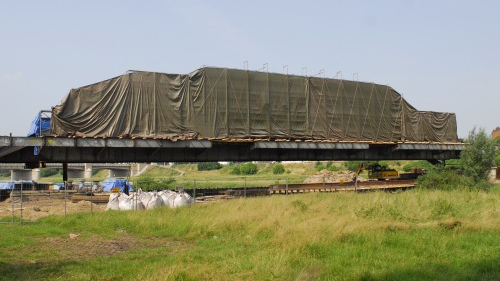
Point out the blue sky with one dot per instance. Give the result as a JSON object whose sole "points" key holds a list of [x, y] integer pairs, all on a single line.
{"points": [[440, 55]]}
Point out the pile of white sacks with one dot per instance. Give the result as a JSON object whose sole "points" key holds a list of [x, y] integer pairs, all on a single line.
{"points": [[148, 200]]}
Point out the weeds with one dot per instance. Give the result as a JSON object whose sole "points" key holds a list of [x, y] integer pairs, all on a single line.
{"points": [[414, 235]]}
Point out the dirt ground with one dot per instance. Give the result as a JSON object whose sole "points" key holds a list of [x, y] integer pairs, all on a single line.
{"points": [[36, 205]]}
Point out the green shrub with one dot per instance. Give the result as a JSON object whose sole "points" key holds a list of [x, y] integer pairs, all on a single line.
{"points": [[384, 163], [418, 164], [208, 166], [446, 178], [352, 165], [4, 173], [278, 169], [497, 160], [443, 179], [147, 183], [235, 170], [244, 169], [478, 156], [319, 167], [48, 172], [333, 168], [248, 169], [95, 171]]}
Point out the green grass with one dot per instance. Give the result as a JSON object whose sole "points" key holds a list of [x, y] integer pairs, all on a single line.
{"points": [[222, 178], [413, 235]]}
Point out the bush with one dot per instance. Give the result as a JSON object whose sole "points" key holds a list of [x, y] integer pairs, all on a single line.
{"points": [[48, 172], [333, 168], [319, 167], [478, 156], [497, 160], [244, 169], [418, 164], [208, 166], [443, 179], [235, 170], [95, 171], [147, 183], [278, 169], [4, 173], [248, 169]]}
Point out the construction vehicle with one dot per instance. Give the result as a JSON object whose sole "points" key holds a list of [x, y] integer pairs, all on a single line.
{"points": [[378, 172]]}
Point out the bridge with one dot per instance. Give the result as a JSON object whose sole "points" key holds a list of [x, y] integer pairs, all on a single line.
{"points": [[74, 170], [141, 150]]}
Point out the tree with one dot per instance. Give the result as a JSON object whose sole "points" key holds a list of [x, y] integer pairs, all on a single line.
{"points": [[478, 155]]}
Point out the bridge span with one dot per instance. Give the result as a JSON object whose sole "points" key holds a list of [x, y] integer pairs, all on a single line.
{"points": [[142, 150], [74, 170]]}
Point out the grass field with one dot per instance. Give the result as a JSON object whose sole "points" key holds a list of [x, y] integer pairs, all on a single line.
{"points": [[412, 235]]}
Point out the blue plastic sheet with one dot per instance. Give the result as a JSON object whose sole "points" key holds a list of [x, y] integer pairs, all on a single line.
{"points": [[7, 185], [39, 126], [109, 184]]}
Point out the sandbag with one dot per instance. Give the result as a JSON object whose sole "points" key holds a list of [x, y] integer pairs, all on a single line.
{"points": [[151, 200], [113, 203], [130, 202], [168, 197], [182, 199]]}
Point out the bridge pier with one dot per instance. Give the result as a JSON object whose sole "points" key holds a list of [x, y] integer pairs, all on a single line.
{"points": [[87, 170], [25, 174]]}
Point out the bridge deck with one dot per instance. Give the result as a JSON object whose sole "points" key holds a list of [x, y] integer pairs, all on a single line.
{"points": [[117, 150]]}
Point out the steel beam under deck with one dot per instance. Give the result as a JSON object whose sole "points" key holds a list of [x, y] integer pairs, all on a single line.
{"points": [[89, 150]]}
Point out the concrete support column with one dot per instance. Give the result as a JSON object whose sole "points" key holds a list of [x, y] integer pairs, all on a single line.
{"points": [[88, 170], [35, 174], [137, 168], [17, 175]]}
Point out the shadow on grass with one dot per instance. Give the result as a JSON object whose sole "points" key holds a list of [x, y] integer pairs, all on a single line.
{"points": [[486, 269], [33, 271]]}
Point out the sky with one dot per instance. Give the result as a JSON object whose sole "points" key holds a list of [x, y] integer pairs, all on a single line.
{"points": [[440, 55]]}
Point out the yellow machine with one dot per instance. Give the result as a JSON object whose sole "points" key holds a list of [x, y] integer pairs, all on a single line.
{"points": [[378, 172]]}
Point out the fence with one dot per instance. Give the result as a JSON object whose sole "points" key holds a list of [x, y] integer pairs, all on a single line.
{"points": [[26, 204]]}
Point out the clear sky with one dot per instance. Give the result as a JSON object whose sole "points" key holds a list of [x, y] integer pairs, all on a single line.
{"points": [[440, 55]]}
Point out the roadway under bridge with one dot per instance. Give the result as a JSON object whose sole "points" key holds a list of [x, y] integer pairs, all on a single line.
{"points": [[123, 150]]}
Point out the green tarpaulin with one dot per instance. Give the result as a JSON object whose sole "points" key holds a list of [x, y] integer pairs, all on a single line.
{"points": [[229, 103]]}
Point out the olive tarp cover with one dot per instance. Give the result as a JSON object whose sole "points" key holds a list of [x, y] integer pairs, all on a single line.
{"points": [[220, 103]]}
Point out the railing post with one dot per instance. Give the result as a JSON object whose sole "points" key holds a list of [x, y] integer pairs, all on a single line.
{"points": [[21, 210], [65, 192], [194, 191], [286, 186], [324, 186], [245, 188]]}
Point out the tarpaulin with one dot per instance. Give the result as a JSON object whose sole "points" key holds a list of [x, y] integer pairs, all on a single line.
{"points": [[219, 103], [109, 184]]}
